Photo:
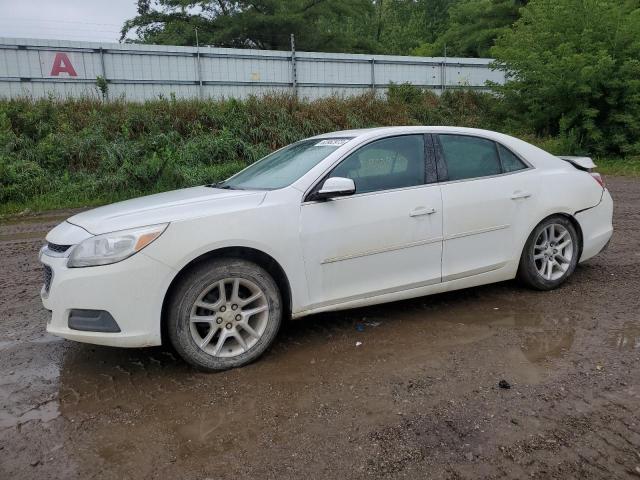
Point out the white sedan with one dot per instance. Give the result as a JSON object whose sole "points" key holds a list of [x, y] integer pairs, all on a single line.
{"points": [[336, 221]]}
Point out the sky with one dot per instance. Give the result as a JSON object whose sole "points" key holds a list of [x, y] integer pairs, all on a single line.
{"points": [[93, 20]]}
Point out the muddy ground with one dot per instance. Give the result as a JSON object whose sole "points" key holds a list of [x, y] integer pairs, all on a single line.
{"points": [[419, 398]]}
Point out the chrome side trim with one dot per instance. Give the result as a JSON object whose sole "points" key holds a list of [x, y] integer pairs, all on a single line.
{"points": [[380, 250], [476, 232]]}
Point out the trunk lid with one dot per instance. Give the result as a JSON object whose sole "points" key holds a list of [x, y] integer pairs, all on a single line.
{"points": [[581, 163]]}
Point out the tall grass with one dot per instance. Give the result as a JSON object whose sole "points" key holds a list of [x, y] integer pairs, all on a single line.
{"points": [[68, 153]]}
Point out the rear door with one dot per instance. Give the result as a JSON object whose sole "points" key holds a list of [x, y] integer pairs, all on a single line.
{"points": [[387, 236], [487, 195]]}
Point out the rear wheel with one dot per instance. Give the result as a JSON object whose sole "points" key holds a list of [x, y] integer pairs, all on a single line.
{"points": [[550, 255], [224, 313]]}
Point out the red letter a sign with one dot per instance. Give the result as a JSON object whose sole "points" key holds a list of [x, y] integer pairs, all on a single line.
{"points": [[62, 64]]}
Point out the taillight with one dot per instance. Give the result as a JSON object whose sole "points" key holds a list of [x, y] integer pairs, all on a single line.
{"points": [[598, 178]]}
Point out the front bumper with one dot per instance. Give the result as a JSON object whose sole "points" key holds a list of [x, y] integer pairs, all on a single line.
{"points": [[132, 291], [597, 227]]}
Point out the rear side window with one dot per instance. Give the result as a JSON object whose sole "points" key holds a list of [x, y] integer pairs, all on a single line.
{"points": [[469, 157], [510, 163], [385, 164]]}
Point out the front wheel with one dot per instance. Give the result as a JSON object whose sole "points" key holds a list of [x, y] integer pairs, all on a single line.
{"points": [[550, 255], [224, 313]]}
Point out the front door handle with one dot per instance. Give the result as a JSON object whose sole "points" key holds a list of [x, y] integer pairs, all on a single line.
{"points": [[416, 212], [520, 194]]}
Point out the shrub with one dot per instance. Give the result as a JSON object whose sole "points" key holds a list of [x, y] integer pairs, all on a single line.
{"points": [[64, 153], [573, 69]]}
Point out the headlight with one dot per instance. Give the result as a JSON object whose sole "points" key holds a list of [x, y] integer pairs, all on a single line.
{"points": [[113, 247]]}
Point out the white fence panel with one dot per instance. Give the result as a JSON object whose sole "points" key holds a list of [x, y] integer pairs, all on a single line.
{"points": [[39, 68]]}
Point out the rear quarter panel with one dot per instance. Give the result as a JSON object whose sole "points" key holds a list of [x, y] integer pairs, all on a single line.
{"points": [[558, 189]]}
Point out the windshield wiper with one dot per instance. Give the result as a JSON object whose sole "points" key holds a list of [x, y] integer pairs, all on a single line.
{"points": [[220, 185]]}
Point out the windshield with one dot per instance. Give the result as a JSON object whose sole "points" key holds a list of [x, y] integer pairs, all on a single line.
{"points": [[284, 166]]}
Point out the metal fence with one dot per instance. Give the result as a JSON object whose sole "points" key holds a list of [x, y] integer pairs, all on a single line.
{"points": [[38, 68]]}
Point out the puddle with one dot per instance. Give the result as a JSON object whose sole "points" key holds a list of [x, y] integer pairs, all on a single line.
{"points": [[23, 404], [314, 379], [43, 413], [7, 343], [625, 338], [543, 346], [309, 353], [546, 336]]}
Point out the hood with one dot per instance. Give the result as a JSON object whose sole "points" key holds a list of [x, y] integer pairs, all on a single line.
{"points": [[165, 207]]}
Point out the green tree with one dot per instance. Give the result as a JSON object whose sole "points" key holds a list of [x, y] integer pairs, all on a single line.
{"points": [[357, 26], [574, 69], [472, 27], [265, 24], [403, 25]]}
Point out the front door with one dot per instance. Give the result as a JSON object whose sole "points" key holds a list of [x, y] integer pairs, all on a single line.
{"points": [[386, 237]]}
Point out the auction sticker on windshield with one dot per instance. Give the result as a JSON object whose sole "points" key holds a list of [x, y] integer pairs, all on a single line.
{"points": [[332, 142]]}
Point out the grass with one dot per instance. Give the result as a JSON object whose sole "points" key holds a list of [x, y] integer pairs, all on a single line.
{"points": [[79, 153], [85, 193], [629, 167]]}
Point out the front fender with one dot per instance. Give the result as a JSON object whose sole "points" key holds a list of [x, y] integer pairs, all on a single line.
{"points": [[273, 233]]}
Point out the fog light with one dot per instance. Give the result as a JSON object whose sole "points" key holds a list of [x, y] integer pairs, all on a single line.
{"points": [[92, 321]]}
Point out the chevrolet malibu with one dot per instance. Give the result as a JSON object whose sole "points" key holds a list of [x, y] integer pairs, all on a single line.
{"points": [[336, 221]]}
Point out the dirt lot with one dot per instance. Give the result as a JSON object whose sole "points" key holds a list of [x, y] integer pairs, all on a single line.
{"points": [[419, 398]]}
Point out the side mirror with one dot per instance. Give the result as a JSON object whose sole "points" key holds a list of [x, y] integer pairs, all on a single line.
{"points": [[335, 187]]}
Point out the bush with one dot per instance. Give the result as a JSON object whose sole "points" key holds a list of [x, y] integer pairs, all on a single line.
{"points": [[573, 69], [406, 93], [59, 153], [65, 153]]}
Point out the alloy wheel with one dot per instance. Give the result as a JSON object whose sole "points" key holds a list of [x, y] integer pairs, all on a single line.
{"points": [[229, 317], [553, 251]]}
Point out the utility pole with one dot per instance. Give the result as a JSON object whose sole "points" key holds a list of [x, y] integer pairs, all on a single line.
{"points": [[294, 73], [199, 69]]}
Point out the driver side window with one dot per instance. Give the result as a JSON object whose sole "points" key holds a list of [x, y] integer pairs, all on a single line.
{"points": [[385, 164]]}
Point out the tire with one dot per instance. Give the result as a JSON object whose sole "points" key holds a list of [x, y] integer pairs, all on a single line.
{"points": [[539, 256], [190, 326]]}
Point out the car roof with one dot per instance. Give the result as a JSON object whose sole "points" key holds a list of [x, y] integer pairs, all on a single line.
{"points": [[381, 131], [531, 153]]}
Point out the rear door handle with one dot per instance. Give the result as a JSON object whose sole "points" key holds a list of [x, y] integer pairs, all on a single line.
{"points": [[416, 212], [519, 194]]}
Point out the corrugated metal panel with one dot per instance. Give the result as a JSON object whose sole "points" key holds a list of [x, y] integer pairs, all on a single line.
{"points": [[64, 68]]}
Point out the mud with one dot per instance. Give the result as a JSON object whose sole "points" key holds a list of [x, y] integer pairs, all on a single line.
{"points": [[418, 398]]}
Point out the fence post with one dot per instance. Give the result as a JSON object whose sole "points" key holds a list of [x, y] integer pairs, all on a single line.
{"points": [[373, 74], [198, 67], [104, 73], [444, 70], [294, 73]]}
